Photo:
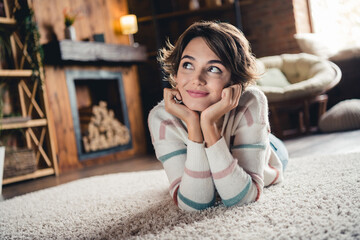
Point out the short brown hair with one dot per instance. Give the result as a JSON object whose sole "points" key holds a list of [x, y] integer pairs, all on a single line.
{"points": [[225, 40]]}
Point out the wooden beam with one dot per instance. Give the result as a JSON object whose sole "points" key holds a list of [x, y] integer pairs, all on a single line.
{"points": [[7, 22], [38, 173], [31, 96], [15, 73], [77, 51], [40, 148], [27, 124]]}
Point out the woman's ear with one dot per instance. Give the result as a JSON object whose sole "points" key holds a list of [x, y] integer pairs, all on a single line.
{"points": [[174, 81]]}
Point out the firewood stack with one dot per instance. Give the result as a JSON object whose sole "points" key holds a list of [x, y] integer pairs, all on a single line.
{"points": [[101, 129]]}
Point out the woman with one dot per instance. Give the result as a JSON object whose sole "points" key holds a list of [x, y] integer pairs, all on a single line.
{"points": [[211, 131]]}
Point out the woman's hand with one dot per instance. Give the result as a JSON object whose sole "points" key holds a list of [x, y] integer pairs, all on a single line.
{"points": [[179, 110], [209, 117]]}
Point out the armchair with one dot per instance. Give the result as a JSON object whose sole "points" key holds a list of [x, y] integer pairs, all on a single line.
{"points": [[292, 83]]}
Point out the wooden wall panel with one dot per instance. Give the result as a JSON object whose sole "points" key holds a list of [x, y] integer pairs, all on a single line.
{"points": [[59, 105], [96, 16], [133, 101]]}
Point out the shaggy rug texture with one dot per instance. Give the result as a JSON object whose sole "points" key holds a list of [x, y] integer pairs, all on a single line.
{"points": [[319, 199]]}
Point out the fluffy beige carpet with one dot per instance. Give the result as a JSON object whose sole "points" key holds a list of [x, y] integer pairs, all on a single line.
{"points": [[319, 199]]}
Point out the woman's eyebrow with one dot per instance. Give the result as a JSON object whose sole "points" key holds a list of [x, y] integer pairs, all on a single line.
{"points": [[216, 61], [209, 62], [187, 56]]}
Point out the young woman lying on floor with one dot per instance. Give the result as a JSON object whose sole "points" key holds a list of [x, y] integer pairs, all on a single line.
{"points": [[211, 131]]}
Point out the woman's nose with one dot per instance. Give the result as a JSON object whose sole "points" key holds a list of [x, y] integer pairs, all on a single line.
{"points": [[199, 78]]}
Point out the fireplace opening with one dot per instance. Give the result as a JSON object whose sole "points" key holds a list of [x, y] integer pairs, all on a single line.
{"points": [[99, 112]]}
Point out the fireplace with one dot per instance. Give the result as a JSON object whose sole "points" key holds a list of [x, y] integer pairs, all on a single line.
{"points": [[83, 77], [99, 112]]}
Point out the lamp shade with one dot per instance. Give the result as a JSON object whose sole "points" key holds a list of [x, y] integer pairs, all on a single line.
{"points": [[128, 24]]}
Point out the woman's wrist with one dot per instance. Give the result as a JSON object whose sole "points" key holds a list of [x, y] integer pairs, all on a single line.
{"points": [[194, 133], [194, 129], [211, 132]]}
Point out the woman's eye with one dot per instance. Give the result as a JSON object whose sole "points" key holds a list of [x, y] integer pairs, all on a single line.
{"points": [[187, 65], [215, 70]]}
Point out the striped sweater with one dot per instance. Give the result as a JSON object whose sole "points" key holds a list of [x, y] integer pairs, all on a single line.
{"points": [[237, 167]]}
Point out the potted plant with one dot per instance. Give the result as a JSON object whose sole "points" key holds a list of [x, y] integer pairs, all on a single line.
{"points": [[69, 19]]}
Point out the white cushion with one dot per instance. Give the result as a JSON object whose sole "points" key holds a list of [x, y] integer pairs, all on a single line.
{"points": [[346, 53], [343, 116], [318, 44], [273, 77]]}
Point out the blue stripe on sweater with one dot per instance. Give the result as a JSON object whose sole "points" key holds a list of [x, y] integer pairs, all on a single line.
{"points": [[232, 201], [256, 145], [172, 154], [195, 205]]}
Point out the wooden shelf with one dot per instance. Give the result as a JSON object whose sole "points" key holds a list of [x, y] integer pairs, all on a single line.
{"points": [[176, 14], [17, 73], [8, 23], [39, 173], [31, 97], [26, 124], [184, 13]]}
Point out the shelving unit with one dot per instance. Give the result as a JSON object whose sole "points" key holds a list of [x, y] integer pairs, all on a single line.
{"points": [[185, 13], [32, 99]]}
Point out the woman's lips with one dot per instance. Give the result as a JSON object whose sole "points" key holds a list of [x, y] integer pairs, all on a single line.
{"points": [[197, 94]]}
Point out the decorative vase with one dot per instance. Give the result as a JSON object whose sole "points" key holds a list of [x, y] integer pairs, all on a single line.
{"points": [[2, 159], [194, 4], [213, 3], [70, 33]]}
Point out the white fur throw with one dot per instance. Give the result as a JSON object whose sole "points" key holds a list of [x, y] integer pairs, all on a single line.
{"points": [[319, 199]]}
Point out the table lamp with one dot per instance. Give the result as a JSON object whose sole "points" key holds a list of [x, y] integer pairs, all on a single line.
{"points": [[128, 24]]}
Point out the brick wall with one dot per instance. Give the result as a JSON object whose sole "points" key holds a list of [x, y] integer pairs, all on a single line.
{"points": [[270, 25]]}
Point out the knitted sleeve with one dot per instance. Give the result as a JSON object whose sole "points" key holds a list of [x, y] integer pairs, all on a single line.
{"points": [[184, 161], [238, 172]]}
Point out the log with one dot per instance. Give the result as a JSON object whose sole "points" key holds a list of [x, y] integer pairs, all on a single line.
{"points": [[101, 129]]}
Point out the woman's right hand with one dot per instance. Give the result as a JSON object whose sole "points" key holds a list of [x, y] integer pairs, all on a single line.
{"points": [[179, 110]]}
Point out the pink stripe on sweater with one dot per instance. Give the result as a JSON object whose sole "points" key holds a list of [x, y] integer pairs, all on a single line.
{"points": [[226, 171], [277, 174], [258, 191], [248, 117], [174, 183], [247, 114], [175, 196], [197, 174], [163, 126], [255, 177]]}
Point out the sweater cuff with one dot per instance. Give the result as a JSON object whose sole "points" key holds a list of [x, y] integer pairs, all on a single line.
{"points": [[196, 157], [219, 156]]}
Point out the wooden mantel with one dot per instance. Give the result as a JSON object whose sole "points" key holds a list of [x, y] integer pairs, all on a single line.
{"points": [[67, 51]]}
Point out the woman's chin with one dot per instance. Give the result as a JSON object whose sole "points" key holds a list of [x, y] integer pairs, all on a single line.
{"points": [[196, 107]]}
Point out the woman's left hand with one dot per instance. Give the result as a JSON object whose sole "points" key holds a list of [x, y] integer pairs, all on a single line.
{"points": [[209, 117]]}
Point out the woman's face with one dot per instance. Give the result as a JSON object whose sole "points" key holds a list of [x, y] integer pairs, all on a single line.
{"points": [[201, 76]]}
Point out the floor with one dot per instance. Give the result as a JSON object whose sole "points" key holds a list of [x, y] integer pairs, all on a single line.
{"points": [[316, 144]]}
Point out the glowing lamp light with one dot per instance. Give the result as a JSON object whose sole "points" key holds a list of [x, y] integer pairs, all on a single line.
{"points": [[128, 24]]}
